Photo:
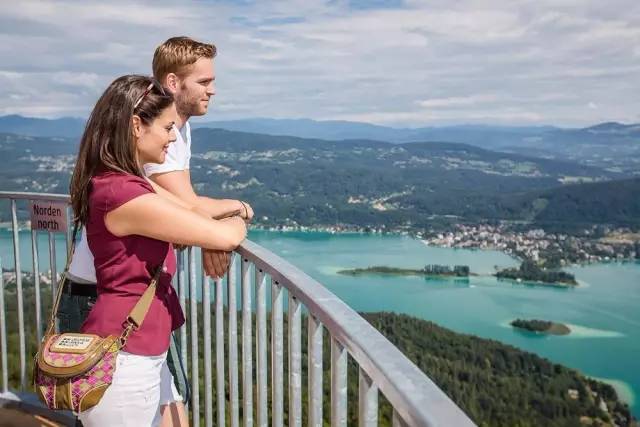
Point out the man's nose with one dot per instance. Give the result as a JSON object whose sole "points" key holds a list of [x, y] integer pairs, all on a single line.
{"points": [[211, 89]]}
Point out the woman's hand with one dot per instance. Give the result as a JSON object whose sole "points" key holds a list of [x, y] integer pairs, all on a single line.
{"points": [[246, 211]]}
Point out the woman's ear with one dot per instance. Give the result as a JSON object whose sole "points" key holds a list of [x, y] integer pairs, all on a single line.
{"points": [[136, 126]]}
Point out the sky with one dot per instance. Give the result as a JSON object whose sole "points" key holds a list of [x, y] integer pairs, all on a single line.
{"points": [[396, 63]]}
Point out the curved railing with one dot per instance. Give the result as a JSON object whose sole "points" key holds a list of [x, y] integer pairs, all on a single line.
{"points": [[265, 280]]}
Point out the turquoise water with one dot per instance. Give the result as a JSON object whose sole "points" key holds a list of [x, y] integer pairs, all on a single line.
{"points": [[603, 313]]}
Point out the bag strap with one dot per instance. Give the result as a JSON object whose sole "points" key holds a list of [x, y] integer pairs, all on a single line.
{"points": [[135, 317], [63, 276], [139, 311]]}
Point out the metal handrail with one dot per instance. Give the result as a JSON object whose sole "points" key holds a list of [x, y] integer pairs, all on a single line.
{"points": [[415, 399], [21, 195]]}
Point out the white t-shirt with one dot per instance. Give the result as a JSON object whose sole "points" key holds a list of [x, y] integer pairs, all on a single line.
{"points": [[177, 158]]}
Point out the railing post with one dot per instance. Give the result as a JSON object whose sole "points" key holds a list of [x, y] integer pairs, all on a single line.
{"points": [[182, 293], [3, 336], [295, 365], [233, 342], [220, 352], [367, 401], [17, 266], [247, 361], [54, 271], [206, 326], [193, 323], [314, 354], [36, 284], [261, 347], [338, 384], [277, 356]]}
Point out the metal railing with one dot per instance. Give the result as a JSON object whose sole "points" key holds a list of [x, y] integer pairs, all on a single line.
{"points": [[247, 395]]}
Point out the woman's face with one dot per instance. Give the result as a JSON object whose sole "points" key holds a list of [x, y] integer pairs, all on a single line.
{"points": [[153, 140]]}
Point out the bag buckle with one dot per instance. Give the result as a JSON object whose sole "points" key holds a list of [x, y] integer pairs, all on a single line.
{"points": [[126, 332]]}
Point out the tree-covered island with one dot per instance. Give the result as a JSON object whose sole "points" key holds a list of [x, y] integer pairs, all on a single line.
{"points": [[428, 270], [530, 271], [541, 326]]}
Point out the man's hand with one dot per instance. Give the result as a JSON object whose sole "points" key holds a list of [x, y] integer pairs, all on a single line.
{"points": [[215, 262]]}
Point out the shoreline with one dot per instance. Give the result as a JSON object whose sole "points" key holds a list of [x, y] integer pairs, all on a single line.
{"points": [[528, 325], [23, 226], [354, 272], [623, 389], [538, 284], [404, 233]]}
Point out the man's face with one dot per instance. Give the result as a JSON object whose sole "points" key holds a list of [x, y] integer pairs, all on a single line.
{"points": [[196, 88]]}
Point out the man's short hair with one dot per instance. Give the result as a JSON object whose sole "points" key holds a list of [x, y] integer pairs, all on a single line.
{"points": [[177, 54]]}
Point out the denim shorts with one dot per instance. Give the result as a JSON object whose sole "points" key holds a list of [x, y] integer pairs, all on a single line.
{"points": [[73, 310]]}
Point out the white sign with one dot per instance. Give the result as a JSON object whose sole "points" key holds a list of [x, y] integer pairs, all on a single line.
{"points": [[49, 216]]}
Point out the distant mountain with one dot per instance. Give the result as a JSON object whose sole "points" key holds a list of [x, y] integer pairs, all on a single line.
{"points": [[614, 128], [481, 135], [63, 127], [611, 145], [333, 130], [608, 145]]}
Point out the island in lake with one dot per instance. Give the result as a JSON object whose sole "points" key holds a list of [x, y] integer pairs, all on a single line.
{"points": [[531, 272], [541, 326], [427, 270]]}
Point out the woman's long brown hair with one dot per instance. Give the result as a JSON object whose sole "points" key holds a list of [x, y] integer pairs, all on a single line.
{"points": [[107, 143]]}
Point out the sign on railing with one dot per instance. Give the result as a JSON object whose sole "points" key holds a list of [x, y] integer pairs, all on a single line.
{"points": [[49, 216]]}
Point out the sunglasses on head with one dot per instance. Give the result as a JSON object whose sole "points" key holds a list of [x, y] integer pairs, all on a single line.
{"points": [[146, 92]]}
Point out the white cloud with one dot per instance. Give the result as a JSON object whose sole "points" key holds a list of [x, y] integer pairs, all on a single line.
{"points": [[427, 62], [456, 101]]}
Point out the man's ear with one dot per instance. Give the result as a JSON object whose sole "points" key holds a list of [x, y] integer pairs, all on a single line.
{"points": [[172, 82], [136, 126]]}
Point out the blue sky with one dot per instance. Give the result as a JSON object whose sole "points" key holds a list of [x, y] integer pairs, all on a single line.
{"points": [[399, 63]]}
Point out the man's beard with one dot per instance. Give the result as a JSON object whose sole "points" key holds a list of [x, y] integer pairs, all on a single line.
{"points": [[188, 107]]}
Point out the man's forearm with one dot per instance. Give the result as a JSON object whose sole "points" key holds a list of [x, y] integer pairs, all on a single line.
{"points": [[220, 208]]}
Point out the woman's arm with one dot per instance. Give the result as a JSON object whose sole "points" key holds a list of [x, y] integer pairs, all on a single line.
{"points": [[153, 215]]}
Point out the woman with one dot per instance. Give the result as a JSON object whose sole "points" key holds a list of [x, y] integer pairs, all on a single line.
{"points": [[130, 228]]}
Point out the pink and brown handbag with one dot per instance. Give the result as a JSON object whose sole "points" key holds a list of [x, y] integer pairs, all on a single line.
{"points": [[73, 370]]}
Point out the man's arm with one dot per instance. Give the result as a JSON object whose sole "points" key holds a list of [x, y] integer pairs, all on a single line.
{"points": [[179, 184]]}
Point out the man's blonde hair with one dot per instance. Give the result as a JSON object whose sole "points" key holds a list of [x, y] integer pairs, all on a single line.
{"points": [[177, 54]]}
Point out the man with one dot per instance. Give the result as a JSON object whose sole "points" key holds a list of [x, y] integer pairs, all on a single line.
{"points": [[185, 68]]}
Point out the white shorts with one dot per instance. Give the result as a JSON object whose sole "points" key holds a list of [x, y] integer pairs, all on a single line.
{"points": [[141, 384]]}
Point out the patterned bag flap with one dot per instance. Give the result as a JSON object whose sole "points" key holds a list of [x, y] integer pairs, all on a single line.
{"points": [[70, 354]]}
